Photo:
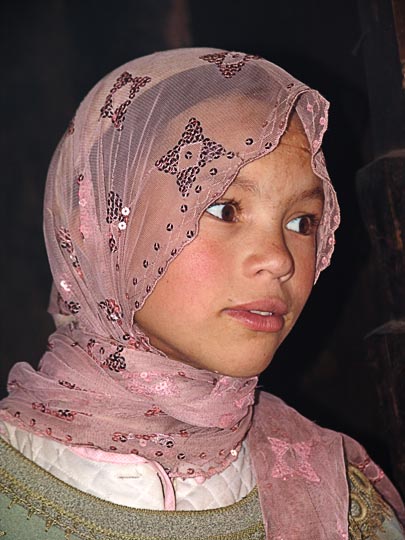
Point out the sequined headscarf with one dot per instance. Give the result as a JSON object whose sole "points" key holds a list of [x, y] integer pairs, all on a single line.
{"points": [[150, 147]]}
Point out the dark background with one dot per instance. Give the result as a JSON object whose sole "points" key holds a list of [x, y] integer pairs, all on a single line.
{"points": [[53, 51]]}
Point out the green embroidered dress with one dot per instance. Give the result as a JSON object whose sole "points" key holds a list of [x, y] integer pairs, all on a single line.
{"points": [[36, 505]]}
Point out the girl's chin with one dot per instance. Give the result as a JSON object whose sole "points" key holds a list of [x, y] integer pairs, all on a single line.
{"points": [[232, 368]]}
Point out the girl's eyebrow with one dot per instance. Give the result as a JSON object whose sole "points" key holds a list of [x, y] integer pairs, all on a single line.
{"points": [[314, 193], [244, 183]]}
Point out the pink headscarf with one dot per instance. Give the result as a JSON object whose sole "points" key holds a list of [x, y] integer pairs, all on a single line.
{"points": [[150, 147]]}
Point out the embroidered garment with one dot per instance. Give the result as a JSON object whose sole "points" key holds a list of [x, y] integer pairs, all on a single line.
{"points": [[27, 491], [132, 484], [150, 148], [52, 505]]}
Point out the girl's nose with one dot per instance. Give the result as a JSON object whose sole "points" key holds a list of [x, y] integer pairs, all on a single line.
{"points": [[268, 254]]}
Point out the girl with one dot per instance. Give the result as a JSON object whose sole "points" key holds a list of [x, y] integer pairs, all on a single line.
{"points": [[188, 212]]}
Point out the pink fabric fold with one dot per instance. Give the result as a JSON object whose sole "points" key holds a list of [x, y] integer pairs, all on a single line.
{"points": [[301, 473]]}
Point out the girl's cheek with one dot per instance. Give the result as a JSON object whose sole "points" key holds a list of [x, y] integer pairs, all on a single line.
{"points": [[205, 261]]}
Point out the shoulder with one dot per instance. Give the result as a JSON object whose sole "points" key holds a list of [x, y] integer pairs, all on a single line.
{"points": [[278, 427], [369, 514]]}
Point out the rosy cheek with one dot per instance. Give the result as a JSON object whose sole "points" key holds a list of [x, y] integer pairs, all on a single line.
{"points": [[206, 260], [198, 269]]}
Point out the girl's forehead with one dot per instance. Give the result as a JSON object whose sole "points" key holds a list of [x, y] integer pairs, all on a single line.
{"points": [[229, 116], [295, 134]]}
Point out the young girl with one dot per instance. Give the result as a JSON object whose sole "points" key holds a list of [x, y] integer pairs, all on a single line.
{"points": [[188, 212]]}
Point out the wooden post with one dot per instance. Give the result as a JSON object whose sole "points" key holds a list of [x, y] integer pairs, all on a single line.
{"points": [[381, 192]]}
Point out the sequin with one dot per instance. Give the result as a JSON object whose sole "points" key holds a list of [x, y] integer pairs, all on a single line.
{"points": [[112, 309], [122, 225], [249, 141], [125, 211], [115, 361], [112, 243], [114, 207], [72, 307], [65, 240], [204, 151], [64, 284], [229, 63], [117, 113]]}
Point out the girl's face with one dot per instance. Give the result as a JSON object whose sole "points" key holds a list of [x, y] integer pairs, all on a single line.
{"points": [[231, 297]]}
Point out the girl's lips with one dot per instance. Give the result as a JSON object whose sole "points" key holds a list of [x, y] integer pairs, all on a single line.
{"points": [[256, 322], [261, 323]]}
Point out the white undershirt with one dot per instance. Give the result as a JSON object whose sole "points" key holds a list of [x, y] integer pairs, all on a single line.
{"points": [[134, 485]]}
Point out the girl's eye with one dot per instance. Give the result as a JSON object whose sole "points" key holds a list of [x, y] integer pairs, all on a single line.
{"points": [[305, 225], [224, 211]]}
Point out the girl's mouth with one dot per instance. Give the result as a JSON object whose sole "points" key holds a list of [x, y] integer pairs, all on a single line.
{"points": [[260, 316]]}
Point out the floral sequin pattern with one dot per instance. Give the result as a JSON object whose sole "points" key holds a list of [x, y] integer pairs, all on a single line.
{"points": [[112, 310], [65, 242], [63, 414], [150, 383], [116, 361], [292, 460], [229, 63], [72, 307], [192, 152], [120, 98], [117, 213]]}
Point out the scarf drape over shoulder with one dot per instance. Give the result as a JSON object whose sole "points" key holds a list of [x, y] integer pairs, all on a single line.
{"points": [[150, 147]]}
